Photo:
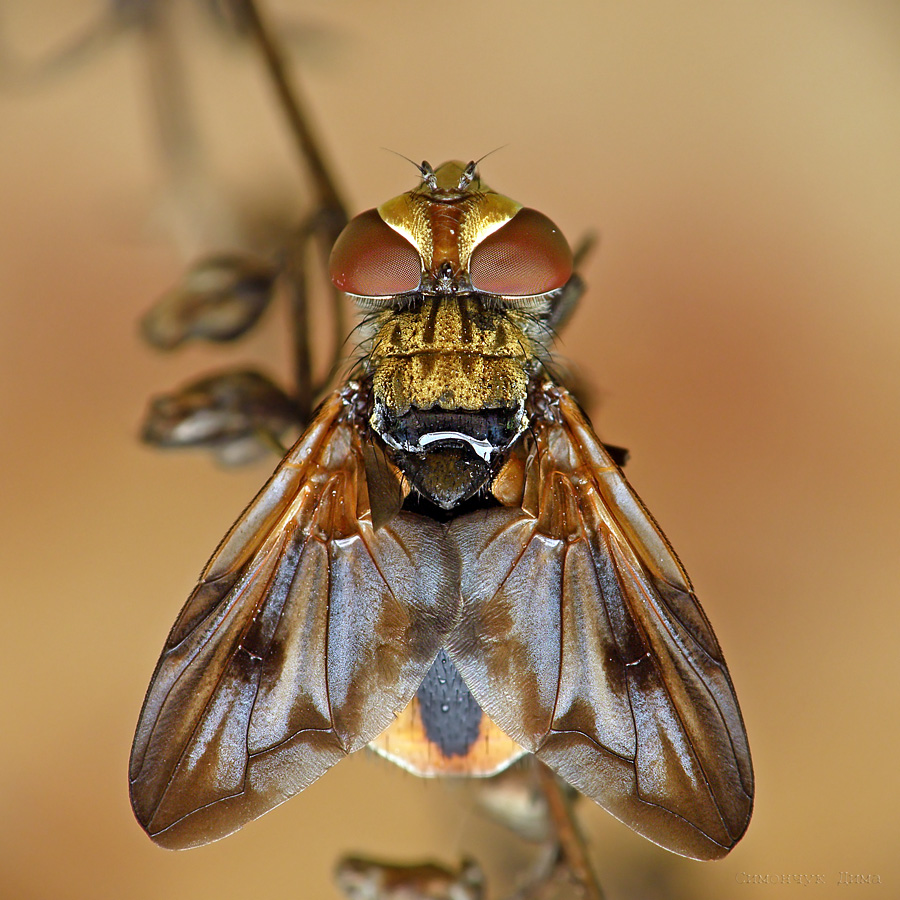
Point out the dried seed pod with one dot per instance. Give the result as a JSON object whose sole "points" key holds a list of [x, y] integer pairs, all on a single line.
{"points": [[238, 414], [219, 299], [367, 879], [514, 799]]}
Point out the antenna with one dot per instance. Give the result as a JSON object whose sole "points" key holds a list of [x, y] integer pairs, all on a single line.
{"points": [[471, 171], [425, 169]]}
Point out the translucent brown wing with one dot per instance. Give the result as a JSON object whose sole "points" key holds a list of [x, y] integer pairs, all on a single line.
{"points": [[581, 638], [308, 631]]}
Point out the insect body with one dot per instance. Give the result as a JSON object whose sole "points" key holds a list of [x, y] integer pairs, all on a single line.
{"points": [[448, 566]]}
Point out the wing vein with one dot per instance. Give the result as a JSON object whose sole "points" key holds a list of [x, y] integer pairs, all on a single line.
{"points": [[200, 719], [649, 601]]}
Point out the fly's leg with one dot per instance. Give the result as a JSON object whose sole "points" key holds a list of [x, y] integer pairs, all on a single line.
{"points": [[566, 303]]}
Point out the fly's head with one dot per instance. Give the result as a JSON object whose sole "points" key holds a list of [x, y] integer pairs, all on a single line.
{"points": [[459, 283]]}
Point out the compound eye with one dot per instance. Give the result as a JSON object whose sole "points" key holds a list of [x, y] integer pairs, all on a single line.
{"points": [[370, 259], [526, 256]]}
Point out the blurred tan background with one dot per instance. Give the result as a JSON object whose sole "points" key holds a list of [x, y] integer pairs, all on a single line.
{"points": [[741, 162]]}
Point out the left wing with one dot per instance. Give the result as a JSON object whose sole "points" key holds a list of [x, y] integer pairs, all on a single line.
{"points": [[308, 631], [581, 637]]}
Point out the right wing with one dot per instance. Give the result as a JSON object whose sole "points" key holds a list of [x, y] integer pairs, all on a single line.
{"points": [[581, 637]]}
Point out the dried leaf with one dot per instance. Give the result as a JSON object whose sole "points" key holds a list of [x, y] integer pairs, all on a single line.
{"points": [[238, 414]]}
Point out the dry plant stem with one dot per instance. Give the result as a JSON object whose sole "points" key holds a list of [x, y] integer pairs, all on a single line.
{"points": [[273, 56], [571, 844], [339, 326], [542, 876], [326, 224], [295, 280]]}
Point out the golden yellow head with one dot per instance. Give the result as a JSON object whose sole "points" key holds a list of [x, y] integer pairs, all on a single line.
{"points": [[451, 234], [447, 222]]}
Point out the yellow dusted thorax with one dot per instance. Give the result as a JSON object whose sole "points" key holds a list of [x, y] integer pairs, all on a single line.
{"points": [[452, 353]]}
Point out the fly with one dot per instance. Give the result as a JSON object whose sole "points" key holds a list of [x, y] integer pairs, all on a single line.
{"points": [[448, 567]]}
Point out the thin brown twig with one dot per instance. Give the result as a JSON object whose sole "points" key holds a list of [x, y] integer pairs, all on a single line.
{"points": [[571, 843], [328, 196], [295, 277], [326, 224]]}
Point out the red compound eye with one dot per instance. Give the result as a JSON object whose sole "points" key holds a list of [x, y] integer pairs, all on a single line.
{"points": [[528, 255], [370, 259]]}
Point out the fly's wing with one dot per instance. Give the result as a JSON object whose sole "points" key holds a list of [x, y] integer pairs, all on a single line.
{"points": [[308, 631], [582, 639]]}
